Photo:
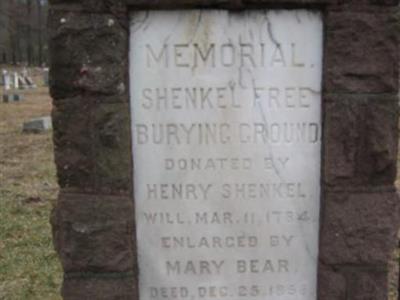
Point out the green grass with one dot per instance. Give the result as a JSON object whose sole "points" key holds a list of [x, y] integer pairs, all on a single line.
{"points": [[29, 267]]}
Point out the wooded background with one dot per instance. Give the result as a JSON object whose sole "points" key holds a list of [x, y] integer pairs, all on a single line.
{"points": [[23, 34]]}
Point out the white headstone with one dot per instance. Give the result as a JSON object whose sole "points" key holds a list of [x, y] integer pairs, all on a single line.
{"points": [[46, 76], [226, 111], [16, 80], [6, 80], [37, 125], [24, 72], [29, 82]]}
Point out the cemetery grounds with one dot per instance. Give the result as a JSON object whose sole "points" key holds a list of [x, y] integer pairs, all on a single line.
{"points": [[29, 267]]}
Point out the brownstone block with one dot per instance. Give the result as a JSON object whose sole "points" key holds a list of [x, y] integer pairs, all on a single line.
{"points": [[359, 228], [98, 6], [296, 2], [371, 2], [177, 3], [362, 53], [367, 284], [360, 141], [112, 148], [94, 233], [331, 284], [120, 6], [90, 54], [92, 143], [99, 289], [73, 143]]}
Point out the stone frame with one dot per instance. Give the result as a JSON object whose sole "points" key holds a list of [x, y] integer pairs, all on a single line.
{"points": [[93, 221]]}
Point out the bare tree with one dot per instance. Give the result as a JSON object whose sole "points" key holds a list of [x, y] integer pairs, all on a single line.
{"points": [[29, 41], [40, 30], [23, 31]]}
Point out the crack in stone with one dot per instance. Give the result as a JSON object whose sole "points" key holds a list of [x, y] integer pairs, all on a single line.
{"points": [[270, 32], [264, 119], [198, 23], [138, 24]]}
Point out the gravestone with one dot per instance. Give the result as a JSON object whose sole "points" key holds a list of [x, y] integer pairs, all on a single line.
{"points": [[12, 82], [45, 76], [17, 97], [23, 80], [225, 149], [16, 80], [226, 121], [37, 125], [6, 80]]}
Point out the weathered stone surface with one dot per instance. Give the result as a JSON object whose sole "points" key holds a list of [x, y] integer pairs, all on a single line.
{"points": [[375, 2], [73, 143], [92, 144], [160, 145], [111, 287], [180, 3], [362, 5], [331, 284], [366, 283], [363, 282], [252, 3], [99, 6], [362, 52], [359, 228], [90, 54], [37, 125], [360, 140], [112, 148], [304, 2], [94, 233], [120, 6]]}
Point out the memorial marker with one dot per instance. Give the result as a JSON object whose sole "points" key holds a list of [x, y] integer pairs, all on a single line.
{"points": [[37, 125], [6, 80], [192, 164], [226, 132], [16, 80]]}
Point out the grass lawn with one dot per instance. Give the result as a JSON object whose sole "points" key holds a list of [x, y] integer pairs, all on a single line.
{"points": [[29, 267]]}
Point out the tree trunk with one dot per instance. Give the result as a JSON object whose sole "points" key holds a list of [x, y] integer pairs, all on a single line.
{"points": [[40, 35], [29, 42]]}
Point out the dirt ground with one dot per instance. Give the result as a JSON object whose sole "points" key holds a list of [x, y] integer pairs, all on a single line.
{"points": [[29, 268]]}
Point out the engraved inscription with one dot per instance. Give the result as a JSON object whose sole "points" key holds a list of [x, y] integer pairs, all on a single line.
{"points": [[214, 55], [226, 132]]}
